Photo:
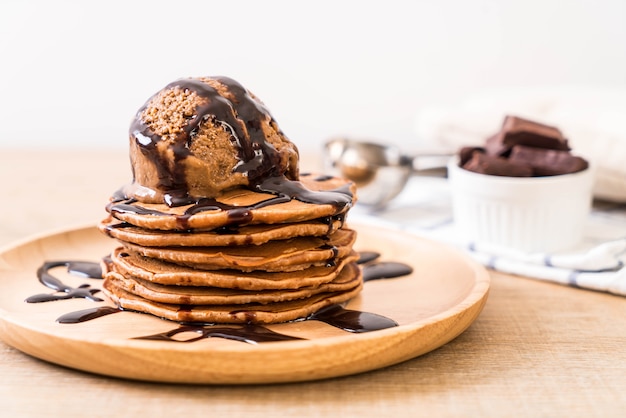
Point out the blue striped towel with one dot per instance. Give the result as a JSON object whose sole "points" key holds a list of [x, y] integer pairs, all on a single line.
{"points": [[596, 263]]}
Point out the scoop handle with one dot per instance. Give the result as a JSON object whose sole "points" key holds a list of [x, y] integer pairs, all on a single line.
{"points": [[429, 161]]}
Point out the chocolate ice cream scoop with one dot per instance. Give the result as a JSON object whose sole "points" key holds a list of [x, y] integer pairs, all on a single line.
{"points": [[199, 137]]}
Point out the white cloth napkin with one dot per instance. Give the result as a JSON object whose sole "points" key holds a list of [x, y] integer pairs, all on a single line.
{"points": [[596, 263]]}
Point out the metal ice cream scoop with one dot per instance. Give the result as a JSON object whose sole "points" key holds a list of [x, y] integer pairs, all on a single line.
{"points": [[379, 171]]}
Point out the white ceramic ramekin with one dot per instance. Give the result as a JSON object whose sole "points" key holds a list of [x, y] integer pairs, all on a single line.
{"points": [[529, 214]]}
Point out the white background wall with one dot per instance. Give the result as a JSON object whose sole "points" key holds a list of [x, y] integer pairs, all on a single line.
{"points": [[74, 73]]}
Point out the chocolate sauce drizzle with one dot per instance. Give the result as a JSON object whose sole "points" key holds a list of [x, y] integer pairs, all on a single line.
{"points": [[367, 257], [63, 291], [85, 315], [352, 321], [333, 315], [385, 270], [283, 190], [381, 269], [233, 229], [251, 334]]}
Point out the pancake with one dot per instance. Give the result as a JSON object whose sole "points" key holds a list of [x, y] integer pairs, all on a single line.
{"points": [[348, 279], [283, 255], [225, 236], [331, 196], [250, 313], [153, 270]]}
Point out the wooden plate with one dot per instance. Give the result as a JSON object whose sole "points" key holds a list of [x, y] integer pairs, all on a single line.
{"points": [[439, 300]]}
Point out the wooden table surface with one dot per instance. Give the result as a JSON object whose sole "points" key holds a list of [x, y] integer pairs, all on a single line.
{"points": [[537, 349]]}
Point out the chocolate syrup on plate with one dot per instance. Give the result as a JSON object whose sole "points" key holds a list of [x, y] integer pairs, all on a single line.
{"points": [[352, 321], [63, 291], [334, 315], [381, 269], [367, 256], [251, 334], [85, 315], [385, 270]]}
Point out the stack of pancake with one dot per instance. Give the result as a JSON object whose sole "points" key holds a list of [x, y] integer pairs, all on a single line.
{"points": [[252, 273], [271, 249]]}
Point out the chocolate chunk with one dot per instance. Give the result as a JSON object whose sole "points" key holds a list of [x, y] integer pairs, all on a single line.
{"points": [[522, 148], [518, 131], [466, 154], [547, 162], [496, 166]]}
